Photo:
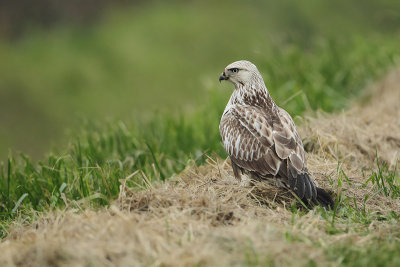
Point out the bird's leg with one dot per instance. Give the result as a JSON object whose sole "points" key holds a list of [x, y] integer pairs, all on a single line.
{"points": [[279, 182], [243, 178], [236, 171]]}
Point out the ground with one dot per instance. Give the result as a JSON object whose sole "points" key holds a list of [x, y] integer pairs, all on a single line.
{"points": [[204, 216]]}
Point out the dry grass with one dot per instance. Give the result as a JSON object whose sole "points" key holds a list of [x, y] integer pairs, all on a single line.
{"points": [[203, 216], [360, 133]]}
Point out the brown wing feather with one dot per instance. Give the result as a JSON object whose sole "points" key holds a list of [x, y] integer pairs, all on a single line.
{"points": [[244, 149], [288, 123], [267, 144]]}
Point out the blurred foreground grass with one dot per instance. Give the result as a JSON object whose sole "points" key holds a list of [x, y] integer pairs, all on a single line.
{"points": [[168, 58]]}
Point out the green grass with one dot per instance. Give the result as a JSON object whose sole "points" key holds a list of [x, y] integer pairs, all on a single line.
{"points": [[382, 253], [346, 207], [385, 180]]}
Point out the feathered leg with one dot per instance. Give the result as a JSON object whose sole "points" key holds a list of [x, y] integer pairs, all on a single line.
{"points": [[236, 170]]}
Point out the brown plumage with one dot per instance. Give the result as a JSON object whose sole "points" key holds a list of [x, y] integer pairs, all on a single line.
{"points": [[261, 138]]}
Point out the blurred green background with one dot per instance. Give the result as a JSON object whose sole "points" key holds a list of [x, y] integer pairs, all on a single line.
{"points": [[64, 63]]}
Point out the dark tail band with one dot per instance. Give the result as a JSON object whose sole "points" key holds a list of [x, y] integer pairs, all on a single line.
{"points": [[324, 199], [305, 188]]}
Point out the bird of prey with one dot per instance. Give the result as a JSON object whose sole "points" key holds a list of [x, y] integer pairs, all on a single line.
{"points": [[261, 138]]}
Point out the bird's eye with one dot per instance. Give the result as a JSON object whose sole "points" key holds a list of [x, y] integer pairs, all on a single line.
{"points": [[235, 70]]}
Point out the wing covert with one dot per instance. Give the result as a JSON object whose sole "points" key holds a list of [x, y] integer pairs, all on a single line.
{"points": [[266, 144]]}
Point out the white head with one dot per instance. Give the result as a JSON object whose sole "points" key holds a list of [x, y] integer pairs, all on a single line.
{"points": [[241, 73]]}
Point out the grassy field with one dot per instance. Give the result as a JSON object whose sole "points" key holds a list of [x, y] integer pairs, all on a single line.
{"points": [[167, 57], [139, 95], [204, 217]]}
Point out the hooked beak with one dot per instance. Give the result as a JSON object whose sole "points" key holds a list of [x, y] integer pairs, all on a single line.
{"points": [[222, 77]]}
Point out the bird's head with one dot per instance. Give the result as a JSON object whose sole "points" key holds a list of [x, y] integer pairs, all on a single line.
{"points": [[240, 73]]}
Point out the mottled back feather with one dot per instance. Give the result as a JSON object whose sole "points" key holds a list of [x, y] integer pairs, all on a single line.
{"points": [[261, 138]]}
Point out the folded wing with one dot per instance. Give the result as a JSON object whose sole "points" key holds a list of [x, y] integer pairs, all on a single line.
{"points": [[267, 144]]}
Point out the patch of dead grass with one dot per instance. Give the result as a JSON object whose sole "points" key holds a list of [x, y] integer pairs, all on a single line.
{"points": [[204, 216], [362, 132]]}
